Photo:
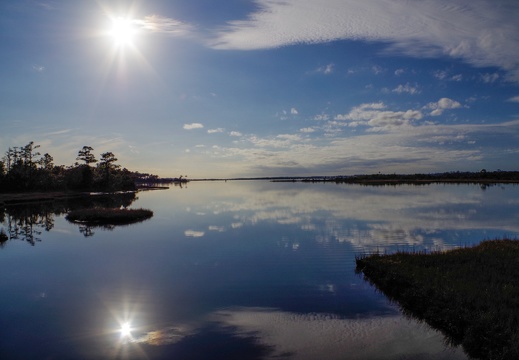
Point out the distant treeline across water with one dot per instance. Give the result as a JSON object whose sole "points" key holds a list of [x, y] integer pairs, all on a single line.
{"points": [[482, 176]]}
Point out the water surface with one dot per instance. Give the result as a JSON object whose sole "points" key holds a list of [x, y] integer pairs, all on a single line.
{"points": [[233, 270]]}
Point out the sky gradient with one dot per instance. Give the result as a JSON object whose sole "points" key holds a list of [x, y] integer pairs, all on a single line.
{"points": [[232, 88]]}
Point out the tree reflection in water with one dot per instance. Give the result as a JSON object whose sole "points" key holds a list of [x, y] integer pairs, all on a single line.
{"points": [[88, 230], [27, 222]]}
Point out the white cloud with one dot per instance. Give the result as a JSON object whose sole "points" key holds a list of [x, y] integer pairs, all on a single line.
{"points": [[399, 72], [514, 99], [58, 132], [193, 126], [444, 75], [407, 88], [216, 228], [328, 69], [38, 68], [377, 117], [294, 111], [489, 78], [377, 69], [443, 104], [321, 117], [160, 24], [235, 133], [457, 77], [292, 137], [282, 141], [46, 5], [307, 130], [479, 32], [214, 131], [420, 146], [194, 233], [440, 74]]}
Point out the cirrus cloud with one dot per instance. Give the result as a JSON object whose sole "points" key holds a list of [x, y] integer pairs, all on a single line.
{"points": [[479, 32], [165, 25]]}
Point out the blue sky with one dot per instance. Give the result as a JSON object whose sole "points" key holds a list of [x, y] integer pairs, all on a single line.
{"points": [[264, 88]]}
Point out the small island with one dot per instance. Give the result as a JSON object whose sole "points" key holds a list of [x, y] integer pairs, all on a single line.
{"points": [[108, 216], [470, 294]]}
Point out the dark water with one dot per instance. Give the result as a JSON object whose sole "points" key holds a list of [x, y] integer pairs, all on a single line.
{"points": [[233, 270]]}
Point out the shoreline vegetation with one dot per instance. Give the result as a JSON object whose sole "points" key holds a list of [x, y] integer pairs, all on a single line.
{"points": [[455, 177], [480, 177], [470, 294], [28, 176], [124, 180]]}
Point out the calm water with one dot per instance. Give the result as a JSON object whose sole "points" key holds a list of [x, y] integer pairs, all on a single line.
{"points": [[233, 270]]}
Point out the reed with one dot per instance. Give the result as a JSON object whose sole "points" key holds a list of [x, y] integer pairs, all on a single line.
{"points": [[470, 294]]}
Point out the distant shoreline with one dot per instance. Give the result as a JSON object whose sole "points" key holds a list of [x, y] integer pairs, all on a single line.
{"points": [[483, 178], [364, 181]]}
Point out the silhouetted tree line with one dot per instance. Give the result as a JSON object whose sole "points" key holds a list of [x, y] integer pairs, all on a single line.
{"points": [[25, 169], [144, 179], [454, 176]]}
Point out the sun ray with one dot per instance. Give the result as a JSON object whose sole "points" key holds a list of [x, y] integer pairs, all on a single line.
{"points": [[125, 41]]}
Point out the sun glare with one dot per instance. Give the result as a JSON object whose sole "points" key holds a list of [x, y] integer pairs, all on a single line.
{"points": [[123, 31], [126, 329]]}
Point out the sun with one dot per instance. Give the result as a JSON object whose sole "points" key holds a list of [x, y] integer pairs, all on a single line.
{"points": [[126, 329], [122, 31]]}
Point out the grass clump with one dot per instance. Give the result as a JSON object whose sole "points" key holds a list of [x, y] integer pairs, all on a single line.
{"points": [[109, 216], [470, 294]]}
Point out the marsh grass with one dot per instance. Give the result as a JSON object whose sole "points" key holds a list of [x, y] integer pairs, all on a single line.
{"points": [[470, 294], [109, 216]]}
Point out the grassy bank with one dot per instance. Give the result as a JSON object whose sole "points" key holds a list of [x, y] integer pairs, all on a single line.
{"points": [[109, 216], [470, 294]]}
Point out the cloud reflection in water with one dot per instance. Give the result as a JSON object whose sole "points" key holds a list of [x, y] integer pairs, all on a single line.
{"points": [[370, 216], [310, 336]]}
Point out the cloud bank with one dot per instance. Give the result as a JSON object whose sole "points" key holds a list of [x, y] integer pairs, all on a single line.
{"points": [[374, 137], [479, 32]]}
